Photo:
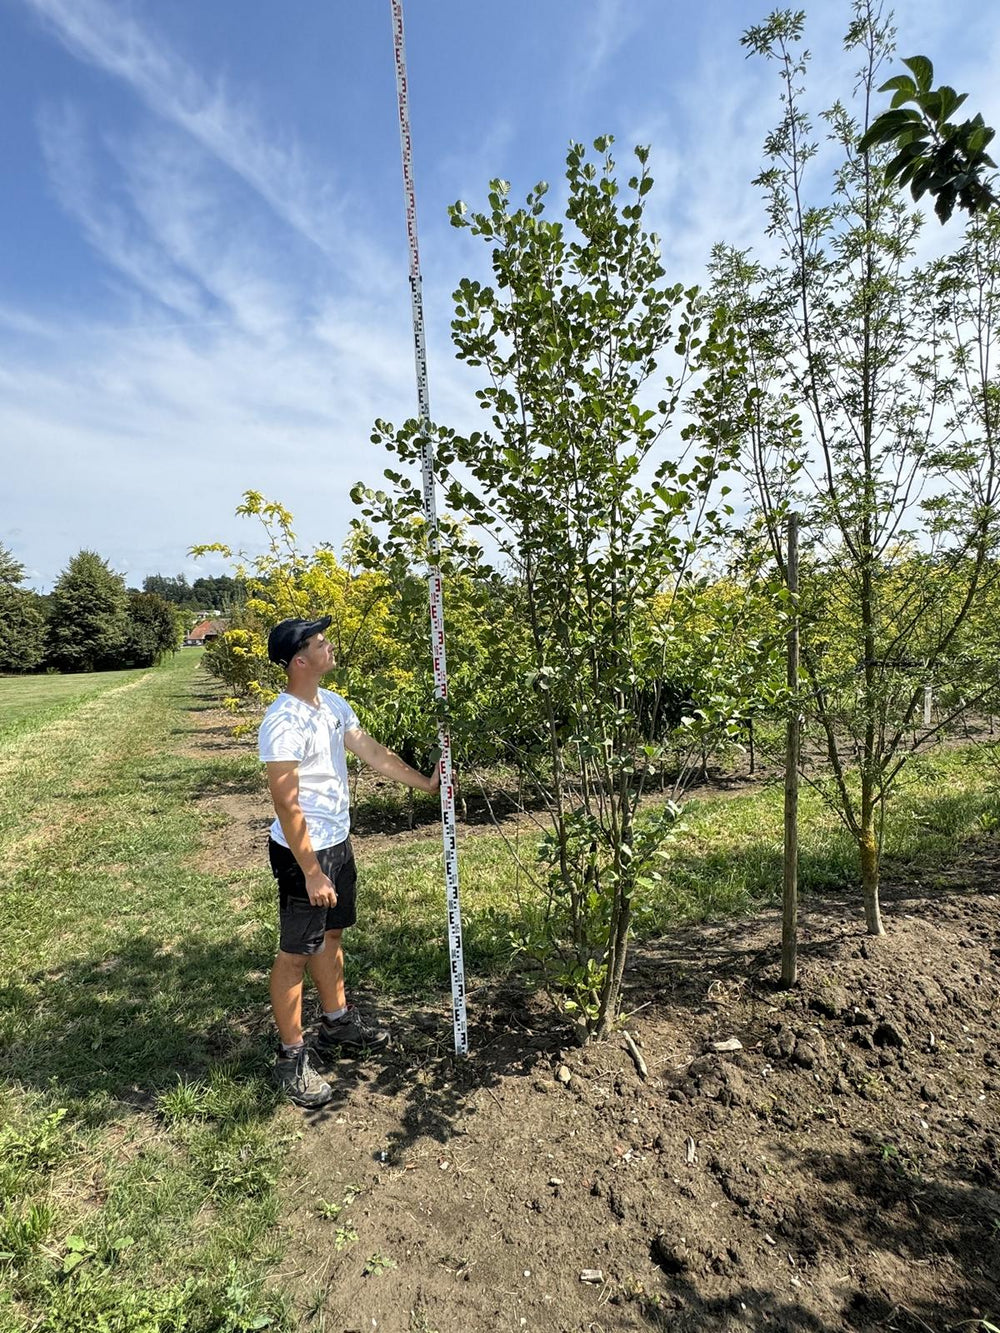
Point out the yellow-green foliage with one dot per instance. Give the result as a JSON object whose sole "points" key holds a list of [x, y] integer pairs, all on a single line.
{"points": [[380, 633], [283, 582]]}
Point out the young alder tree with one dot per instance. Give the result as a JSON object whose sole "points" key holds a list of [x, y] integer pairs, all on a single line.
{"points": [[872, 412], [588, 360]]}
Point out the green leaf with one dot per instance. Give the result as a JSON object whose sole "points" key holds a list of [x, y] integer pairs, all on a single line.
{"points": [[906, 175], [889, 126], [923, 71], [979, 136], [902, 83], [907, 161], [950, 101], [931, 104]]}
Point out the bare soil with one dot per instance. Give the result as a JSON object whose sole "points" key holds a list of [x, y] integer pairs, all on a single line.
{"points": [[837, 1169]]}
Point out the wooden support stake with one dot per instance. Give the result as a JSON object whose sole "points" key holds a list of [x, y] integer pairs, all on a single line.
{"points": [[790, 898]]}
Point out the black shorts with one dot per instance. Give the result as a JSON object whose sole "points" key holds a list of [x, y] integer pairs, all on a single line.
{"points": [[302, 925]]}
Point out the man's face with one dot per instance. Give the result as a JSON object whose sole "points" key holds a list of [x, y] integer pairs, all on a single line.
{"points": [[317, 654]]}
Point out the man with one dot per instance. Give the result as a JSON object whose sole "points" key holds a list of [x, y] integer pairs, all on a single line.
{"points": [[302, 741]]}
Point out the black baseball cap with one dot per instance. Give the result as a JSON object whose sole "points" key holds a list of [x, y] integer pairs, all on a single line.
{"points": [[288, 636]]}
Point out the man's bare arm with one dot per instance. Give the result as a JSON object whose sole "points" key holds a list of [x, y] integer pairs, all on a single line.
{"points": [[388, 764], [283, 782]]}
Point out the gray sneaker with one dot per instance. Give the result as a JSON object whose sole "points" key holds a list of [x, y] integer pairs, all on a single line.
{"points": [[296, 1076], [349, 1035]]}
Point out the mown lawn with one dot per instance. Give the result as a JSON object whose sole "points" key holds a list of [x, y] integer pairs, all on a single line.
{"points": [[27, 702]]}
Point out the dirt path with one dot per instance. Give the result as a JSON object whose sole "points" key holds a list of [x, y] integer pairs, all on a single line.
{"points": [[839, 1169]]}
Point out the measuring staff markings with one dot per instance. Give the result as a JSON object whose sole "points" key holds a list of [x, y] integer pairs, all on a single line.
{"points": [[449, 836]]}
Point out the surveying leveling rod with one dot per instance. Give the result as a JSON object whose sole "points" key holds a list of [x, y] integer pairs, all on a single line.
{"points": [[430, 514]]}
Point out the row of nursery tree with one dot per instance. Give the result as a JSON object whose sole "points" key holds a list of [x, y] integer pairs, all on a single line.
{"points": [[614, 550], [89, 622]]}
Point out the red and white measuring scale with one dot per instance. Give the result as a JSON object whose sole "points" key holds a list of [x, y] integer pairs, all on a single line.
{"points": [[434, 580]]}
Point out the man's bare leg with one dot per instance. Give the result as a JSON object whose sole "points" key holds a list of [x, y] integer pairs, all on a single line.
{"points": [[347, 1033], [292, 1071], [327, 971], [286, 995]]}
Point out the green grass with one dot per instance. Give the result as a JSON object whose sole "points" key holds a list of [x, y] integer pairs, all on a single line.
{"points": [[726, 861], [28, 702], [141, 1133]]}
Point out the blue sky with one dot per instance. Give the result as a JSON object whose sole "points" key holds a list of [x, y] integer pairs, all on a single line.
{"points": [[203, 269]]}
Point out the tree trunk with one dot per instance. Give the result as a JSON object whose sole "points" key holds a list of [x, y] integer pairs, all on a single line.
{"points": [[868, 850], [617, 951], [790, 894]]}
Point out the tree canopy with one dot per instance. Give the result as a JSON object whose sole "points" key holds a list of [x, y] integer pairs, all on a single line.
{"points": [[22, 618]]}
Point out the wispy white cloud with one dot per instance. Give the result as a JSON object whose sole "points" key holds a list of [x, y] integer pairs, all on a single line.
{"points": [[234, 354], [189, 215], [257, 327], [105, 224], [30, 325], [112, 39], [605, 31], [161, 429]]}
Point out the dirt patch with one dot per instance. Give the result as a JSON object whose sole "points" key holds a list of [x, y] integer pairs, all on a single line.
{"points": [[814, 1161], [839, 1169], [238, 819]]}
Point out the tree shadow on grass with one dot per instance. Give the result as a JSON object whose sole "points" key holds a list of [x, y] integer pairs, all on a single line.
{"points": [[197, 699], [126, 1026], [219, 777], [217, 737], [940, 851], [119, 1030]]}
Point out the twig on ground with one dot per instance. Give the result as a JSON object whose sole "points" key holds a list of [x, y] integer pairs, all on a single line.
{"points": [[633, 1051], [496, 1099]]}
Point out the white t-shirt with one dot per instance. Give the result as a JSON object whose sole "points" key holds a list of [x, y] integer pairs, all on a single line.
{"points": [[314, 737]]}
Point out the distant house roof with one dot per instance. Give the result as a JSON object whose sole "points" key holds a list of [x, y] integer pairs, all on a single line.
{"points": [[206, 629]]}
